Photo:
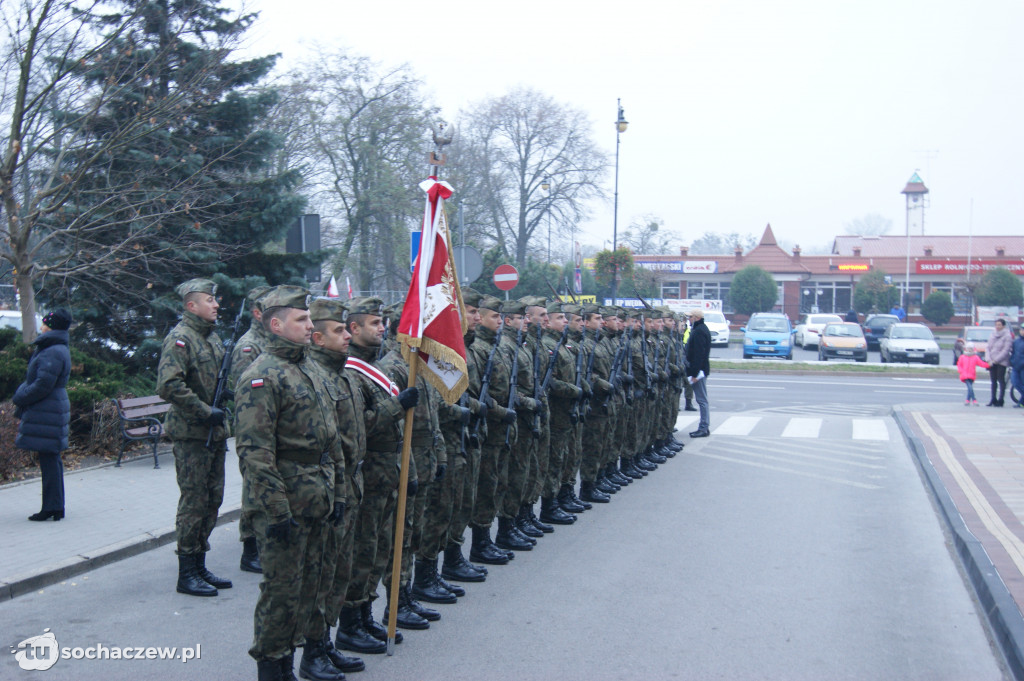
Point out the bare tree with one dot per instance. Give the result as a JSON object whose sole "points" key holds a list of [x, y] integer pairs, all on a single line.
{"points": [[648, 236], [88, 96], [870, 224], [511, 146], [361, 134]]}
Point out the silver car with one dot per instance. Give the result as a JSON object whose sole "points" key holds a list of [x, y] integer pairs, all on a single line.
{"points": [[909, 343]]}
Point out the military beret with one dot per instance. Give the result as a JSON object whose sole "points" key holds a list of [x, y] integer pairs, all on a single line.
{"points": [[255, 294], [471, 297], [327, 309], [366, 305], [490, 303], [621, 312], [636, 312], [591, 308], [654, 314], [513, 307], [393, 312], [573, 308], [608, 311], [197, 286], [534, 301], [554, 306], [286, 296]]}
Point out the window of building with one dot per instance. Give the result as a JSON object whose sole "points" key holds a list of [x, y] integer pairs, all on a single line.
{"points": [[826, 297], [957, 293], [915, 294], [710, 290], [670, 289]]}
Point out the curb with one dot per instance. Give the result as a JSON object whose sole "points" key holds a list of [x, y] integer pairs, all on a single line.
{"points": [[112, 553], [1001, 611]]}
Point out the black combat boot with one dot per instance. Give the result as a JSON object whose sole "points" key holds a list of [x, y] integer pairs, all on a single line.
{"points": [[651, 454], [189, 581], [268, 670], [207, 576], [340, 660], [250, 561], [288, 667], [689, 406], [316, 665], [352, 635], [526, 526], [417, 607], [627, 468], [590, 493], [643, 464], [373, 627], [551, 512], [506, 539], [605, 485], [535, 521], [483, 549], [519, 534], [454, 588], [613, 473], [407, 617], [456, 566], [425, 585], [568, 501]]}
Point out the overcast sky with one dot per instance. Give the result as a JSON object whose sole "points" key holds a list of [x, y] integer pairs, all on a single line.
{"points": [[803, 114]]}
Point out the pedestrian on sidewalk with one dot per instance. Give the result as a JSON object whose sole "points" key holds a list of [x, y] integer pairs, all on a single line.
{"points": [[1000, 344], [45, 411], [1017, 365], [967, 365], [698, 367], [187, 378]]}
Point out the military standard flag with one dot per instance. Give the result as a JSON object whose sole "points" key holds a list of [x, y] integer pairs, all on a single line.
{"points": [[433, 318]]}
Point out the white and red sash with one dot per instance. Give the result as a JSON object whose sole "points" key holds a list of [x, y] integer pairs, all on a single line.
{"points": [[373, 373]]}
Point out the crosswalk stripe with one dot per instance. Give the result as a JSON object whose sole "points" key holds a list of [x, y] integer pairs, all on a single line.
{"points": [[870, 429], [798, 427], [685, 421], [737, 425]]}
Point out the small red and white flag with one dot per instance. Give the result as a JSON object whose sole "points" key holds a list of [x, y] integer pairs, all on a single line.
{"points": [[332, 289], [348, 282], [433, 318], [257, 383]]}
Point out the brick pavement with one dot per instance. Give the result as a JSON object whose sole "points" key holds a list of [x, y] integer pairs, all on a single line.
{"points": [[112, 513]]}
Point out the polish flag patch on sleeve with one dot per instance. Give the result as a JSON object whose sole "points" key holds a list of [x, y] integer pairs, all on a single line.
{"points": [[257, 383], [247, 348], [180, 343]]}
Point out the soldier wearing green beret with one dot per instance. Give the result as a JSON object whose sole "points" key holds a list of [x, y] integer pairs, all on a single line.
{"points": [[594, 486], [466, 468], [329, 350], [247, 349], [540, 426], [384, 415], [497, 369], [187, 378], [287, 436]]}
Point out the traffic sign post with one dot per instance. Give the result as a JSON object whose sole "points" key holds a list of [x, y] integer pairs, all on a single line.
{"points": [[506, 278]]}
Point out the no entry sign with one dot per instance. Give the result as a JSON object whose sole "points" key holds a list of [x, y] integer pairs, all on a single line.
{"points": [[506, 277]]}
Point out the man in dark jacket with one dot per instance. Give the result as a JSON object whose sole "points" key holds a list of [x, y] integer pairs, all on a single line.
{"points": [[698, 366], [45, 411]]}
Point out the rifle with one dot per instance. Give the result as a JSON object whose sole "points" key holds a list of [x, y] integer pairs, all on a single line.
{"points": [[643, 351], [554, 357], [225, 367], [584, 402], [384, 340], [485, 381], [613, 376], [513, 394], [536, 382], [569, 291], [574, 415], [629, 363]]}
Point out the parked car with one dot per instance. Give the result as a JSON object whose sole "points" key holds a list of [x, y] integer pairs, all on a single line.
{"points": [[904, 342], [12, 319], [875, 326], [768, 334], [718, 325], [810, 326], [978, 335], [843, 340]]}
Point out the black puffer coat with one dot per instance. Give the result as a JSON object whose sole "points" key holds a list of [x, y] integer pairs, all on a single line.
{"points": [[42, 399], [698, 350]]}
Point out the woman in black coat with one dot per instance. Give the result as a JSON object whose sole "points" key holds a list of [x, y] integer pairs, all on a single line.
{"points": [[45, 411]]}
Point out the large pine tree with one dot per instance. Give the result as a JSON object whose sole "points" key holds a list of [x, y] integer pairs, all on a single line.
{"points": [[189, 191]]}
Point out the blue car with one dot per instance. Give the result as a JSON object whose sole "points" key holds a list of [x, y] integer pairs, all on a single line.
{"points": [[768, 334]]}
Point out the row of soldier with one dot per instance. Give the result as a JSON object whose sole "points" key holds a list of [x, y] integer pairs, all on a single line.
{"points": [[558, 393]]}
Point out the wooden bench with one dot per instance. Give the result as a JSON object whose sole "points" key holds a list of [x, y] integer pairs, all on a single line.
{"points": [[139, 422]]}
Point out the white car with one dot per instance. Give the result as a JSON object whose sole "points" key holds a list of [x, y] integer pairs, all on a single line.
{"points": [[909, 343], [808, 329], [718, 325], [12, 319]]}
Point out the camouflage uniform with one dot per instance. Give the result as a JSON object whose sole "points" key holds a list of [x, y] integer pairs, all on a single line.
{"points": [[574, 455], [288, 437], [522, 442], [540, 443], [561, 397], [187, 378], [596, 429]]}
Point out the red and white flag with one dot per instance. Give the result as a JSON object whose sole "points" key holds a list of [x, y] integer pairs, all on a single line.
{"points": [[433, 315], [348, 282], [332, 289]]}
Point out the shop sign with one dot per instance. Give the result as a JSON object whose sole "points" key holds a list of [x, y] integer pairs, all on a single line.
{"points": [[959, 266]]}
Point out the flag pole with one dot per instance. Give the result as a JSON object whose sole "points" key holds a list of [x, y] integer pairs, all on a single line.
{"points": [[403, 487]]}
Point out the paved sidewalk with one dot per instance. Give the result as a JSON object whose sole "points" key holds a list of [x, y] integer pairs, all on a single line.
{"points": [[973, 459], [112, 513]]}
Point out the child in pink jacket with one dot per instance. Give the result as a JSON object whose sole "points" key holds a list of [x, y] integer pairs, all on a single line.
{"points": [[967, 366]]}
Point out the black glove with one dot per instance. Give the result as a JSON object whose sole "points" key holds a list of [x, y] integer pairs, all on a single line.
{"points": [[587, 393], [409, 397], [338, 514], [442, 469], [228, 395], [281, 531], [412, 488], [482, 410], [215, 418], [509, 418], [464, 414]]}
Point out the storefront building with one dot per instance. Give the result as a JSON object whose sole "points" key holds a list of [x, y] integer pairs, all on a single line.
{"points": [[825, 283]]}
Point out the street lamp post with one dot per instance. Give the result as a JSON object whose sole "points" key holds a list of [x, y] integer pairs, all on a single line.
{"points": [[620, 127]]}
